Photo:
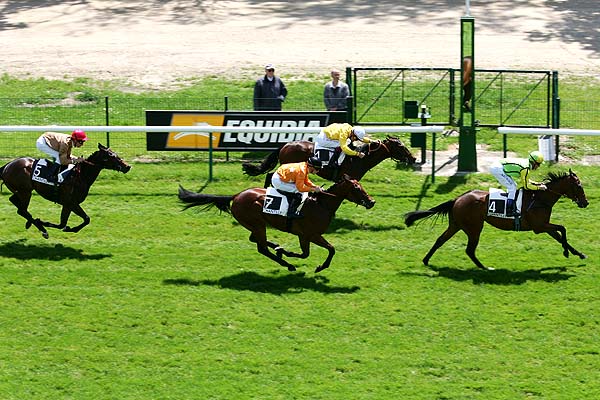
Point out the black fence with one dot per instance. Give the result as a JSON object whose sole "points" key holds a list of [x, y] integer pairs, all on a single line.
{"points": [[503, 97]]}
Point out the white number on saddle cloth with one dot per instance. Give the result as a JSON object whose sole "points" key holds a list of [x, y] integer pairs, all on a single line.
{"points": [[40, 172]]}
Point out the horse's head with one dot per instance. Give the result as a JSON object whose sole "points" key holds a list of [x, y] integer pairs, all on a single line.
{"points": [[352, 190], [569, 186], [108, 159], [398, 151]]}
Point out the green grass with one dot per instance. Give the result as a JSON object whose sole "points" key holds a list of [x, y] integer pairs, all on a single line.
{"points": [[151, 302]]}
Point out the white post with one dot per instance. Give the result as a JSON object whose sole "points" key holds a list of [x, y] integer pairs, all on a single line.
{"points": [[468, 5]]}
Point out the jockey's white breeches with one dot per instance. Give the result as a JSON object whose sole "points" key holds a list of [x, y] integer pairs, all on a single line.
{"points": [[323, 142], [281, 185], [44, 148], [511, 186]]}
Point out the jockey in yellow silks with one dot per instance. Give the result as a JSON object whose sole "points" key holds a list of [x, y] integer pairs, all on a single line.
{"points": [[513, 173], [340, 135]]}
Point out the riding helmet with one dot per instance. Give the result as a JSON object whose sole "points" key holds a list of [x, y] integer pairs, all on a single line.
{"points": [[80, 135], [315, 162], [536, 157], [359, 131]]}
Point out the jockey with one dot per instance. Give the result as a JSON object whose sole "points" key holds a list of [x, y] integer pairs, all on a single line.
{"points": [[59, 145], [336, 138], [514, 175], [292, 179]]}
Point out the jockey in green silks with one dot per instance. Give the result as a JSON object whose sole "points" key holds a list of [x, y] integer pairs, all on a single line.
{"points": [[513, 173]]}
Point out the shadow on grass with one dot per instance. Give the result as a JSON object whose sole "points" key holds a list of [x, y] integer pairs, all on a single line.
{"points": [[340, 225], [278, 285], [22, 251], [499, 276]]}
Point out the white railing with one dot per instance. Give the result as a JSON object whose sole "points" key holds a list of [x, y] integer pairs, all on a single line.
{"points": [[548, 131], [210, 128]]}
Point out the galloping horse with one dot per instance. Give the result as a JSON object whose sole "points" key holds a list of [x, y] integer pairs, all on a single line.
{"points": [[355, 167], [70, 194], [468, 213], [319, 209]]}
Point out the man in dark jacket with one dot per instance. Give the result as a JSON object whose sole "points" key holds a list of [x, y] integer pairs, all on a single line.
{"points": [[269, 91]]}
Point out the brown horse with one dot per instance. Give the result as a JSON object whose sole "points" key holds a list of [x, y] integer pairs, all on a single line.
{"points": [[70, 194], [319, 209], [469, 211], [356, 167]]}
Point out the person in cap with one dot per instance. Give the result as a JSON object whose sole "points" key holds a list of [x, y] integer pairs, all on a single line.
{"points": [[58, 146], [335, 93], [513, 173], [292, 179], [335, 138], [269, 91]]}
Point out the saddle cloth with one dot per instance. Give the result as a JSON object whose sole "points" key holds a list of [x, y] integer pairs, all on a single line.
{"points": [[277, 203], [42, 171], [496, 206], [324, 154]]}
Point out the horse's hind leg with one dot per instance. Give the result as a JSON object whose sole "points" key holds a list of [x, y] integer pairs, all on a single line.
{"points": [[22, 204], [262, 246], [444, 237], [473, 234]]}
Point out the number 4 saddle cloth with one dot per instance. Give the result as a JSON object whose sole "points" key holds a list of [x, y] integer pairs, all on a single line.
{"points": [[496, 206]]}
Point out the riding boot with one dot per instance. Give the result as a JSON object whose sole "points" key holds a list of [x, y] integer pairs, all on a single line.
{"points": [[333, 161], [511, 208], [293, 202]]}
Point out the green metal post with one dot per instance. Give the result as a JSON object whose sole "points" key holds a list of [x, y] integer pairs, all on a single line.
{"points": [[210, 156], [467, 154]]}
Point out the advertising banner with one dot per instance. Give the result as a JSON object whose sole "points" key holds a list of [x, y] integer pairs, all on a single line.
{"points": [[233, 141]]}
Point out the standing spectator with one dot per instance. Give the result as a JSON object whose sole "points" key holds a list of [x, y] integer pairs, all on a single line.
{"points": [[335, 93], [269, 91]]}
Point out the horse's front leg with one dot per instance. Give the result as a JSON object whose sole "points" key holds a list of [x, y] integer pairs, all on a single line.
{"points": [[64, 217], [560, 235], [320, 241]]}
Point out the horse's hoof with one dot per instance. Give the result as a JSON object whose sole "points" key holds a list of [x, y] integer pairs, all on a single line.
{"points": [[426, 261], [319, 269], [566, 254], [28, 224], [45, 235], [582, 256], [66, 229], [291, 268], [489, 268]]}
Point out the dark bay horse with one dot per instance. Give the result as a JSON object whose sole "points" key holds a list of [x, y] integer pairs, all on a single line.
{"points": [[70, 194], [391, 147], [469, 211], [319, 209]]}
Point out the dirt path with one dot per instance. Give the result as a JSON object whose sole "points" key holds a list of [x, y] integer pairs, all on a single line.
{"points": [[157, 44]]}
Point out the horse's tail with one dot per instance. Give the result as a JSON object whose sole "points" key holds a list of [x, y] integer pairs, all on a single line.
{"points": [[192, 199], [442, 209], [267, 164]]}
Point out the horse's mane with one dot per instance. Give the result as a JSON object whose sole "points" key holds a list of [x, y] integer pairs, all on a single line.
{"points": [[555, 176]]}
